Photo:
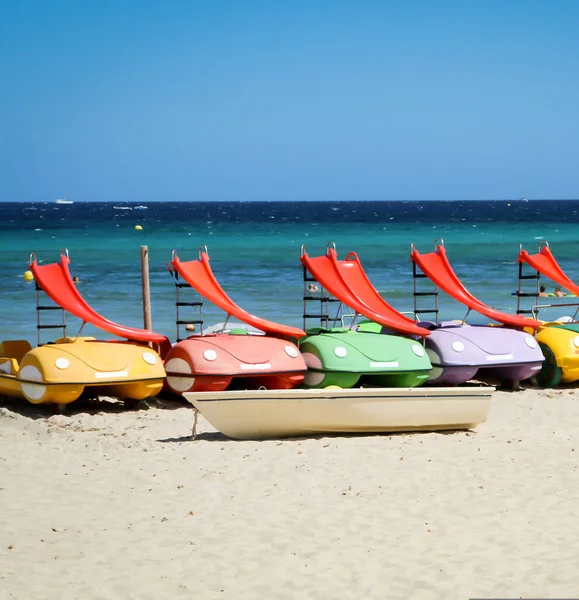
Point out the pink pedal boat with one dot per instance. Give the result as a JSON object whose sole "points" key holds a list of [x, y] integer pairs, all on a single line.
{"points": [[240, 359]]}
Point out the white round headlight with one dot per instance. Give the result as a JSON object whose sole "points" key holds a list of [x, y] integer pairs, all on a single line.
{"points": [[457, 346], [174, 367], [209, 355], [530, 341], [149, 358], [418, 350], [340, 351], [62, 363], [31, 387], [576, 341], [291, 351]]}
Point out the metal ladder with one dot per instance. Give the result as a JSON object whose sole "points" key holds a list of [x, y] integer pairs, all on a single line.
{"points": [[41, 308], [416, 275], [196, 304], [322, 297], [521, 294]]}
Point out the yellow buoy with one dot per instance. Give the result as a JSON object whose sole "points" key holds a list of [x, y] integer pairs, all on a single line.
{"points": [[138, 228], [28, 276]]}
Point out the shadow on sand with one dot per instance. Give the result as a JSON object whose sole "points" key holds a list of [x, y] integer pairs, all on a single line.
{"points": [[208, 436], [91, 405]]}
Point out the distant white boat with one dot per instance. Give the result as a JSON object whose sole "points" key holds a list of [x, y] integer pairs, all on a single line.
{"points": [[63, 201], [524, 199]]}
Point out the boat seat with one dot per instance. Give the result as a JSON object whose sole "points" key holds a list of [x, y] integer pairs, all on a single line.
{"points": [[15, 349]]}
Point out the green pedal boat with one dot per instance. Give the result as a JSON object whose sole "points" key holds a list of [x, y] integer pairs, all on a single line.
{"points": [[343, 357]]}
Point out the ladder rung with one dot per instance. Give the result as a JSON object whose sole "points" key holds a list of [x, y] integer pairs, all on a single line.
{"points": [[50, 326], [520, 312], [49, 308], [426, 293], [420, 276], [424, 310], [322, 298], [188, 303], [182, 285], [189, 322], [308, 316], [525, 295], [529, 276]]}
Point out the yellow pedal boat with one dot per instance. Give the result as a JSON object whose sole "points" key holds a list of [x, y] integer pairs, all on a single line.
{"points": [[559, 340], [59, 373], [560, 345]]}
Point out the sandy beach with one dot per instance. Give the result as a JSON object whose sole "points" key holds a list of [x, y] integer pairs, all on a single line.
{"points": [[107, 503]]}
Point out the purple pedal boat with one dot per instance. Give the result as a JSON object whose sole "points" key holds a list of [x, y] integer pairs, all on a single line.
{"points": [[458, 351]]}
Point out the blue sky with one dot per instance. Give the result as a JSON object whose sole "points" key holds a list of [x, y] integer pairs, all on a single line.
{"points": [[304, 100]]}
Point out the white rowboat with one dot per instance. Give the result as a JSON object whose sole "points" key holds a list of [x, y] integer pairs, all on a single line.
{"points": [[261, 414]]}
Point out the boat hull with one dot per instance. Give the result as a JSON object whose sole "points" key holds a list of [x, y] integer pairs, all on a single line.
{"points": [[266, 414]]}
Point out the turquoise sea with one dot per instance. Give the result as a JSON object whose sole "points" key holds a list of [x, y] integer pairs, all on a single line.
{"points": [[255, 249]]}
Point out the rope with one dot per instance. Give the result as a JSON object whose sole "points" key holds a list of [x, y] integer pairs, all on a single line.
{"points": [[195, 418]]}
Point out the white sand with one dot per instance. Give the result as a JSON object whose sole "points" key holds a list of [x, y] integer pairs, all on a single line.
{"points": [[123, 505]]}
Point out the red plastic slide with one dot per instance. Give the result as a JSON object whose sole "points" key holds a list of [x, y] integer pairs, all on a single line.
{"points": [[347, 281], [198, 274], [436, 267], [545, 263], [56, 282]]}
